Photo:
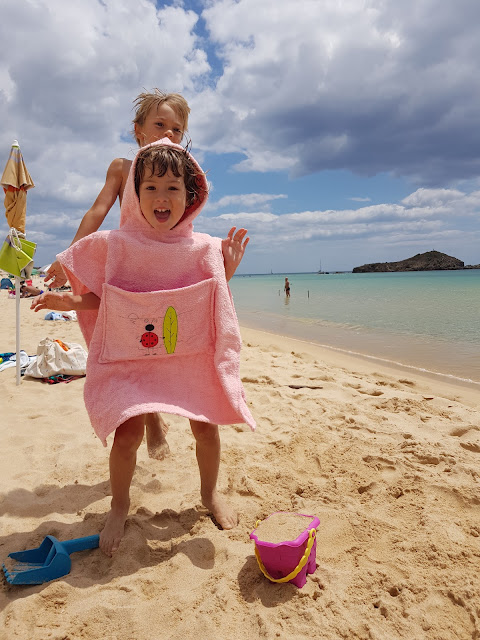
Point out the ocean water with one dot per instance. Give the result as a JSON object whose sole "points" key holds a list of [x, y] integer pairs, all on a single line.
{"points": [[424, 320]]}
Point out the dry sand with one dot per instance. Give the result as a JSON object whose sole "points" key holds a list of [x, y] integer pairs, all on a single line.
{"points": [[388, 460]]}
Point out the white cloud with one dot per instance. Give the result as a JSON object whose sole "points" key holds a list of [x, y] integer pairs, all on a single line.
{"points": [[246, 200], [432, 197], [69, 88], [383, 224], [370, 86]]}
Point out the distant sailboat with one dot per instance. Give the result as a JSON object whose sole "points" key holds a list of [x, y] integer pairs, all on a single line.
{"points": [[320, 270]]}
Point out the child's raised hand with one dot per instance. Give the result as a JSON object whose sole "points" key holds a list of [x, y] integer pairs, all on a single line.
{"points": [[233, 248], [52, 300], [56, 274]]}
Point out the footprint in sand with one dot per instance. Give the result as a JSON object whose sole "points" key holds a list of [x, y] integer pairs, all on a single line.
{"points": [[352, 386], [258, 380], [424, 457], [358, 387], [471, 446], [382, 381], [386, 467], [469, 437], [409, 383], [380, 463]]}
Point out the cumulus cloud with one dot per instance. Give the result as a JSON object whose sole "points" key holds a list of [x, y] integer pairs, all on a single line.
{"points": [[67, 91], [369, 86], [247, 200], [386, 224], [432, 197]]}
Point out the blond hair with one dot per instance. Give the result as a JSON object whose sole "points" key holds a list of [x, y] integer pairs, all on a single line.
{"points": [[144, 102]]}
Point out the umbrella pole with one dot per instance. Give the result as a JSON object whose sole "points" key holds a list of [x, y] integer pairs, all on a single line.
{"points": [[17, 327]]}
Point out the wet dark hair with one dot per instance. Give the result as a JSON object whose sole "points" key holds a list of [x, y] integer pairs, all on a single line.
{"points": [[158, 159]]}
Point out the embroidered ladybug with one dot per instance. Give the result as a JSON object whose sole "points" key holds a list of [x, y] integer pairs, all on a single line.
{"points": [[149, 339]]}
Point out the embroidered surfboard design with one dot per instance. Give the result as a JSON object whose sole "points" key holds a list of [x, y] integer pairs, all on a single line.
{"points": [[170, 330]]}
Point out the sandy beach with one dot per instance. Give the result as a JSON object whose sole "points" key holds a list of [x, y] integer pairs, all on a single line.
{"points": [[387, 460]]}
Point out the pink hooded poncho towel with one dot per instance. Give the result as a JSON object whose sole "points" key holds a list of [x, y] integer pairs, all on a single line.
{"points": [[166, 336]]}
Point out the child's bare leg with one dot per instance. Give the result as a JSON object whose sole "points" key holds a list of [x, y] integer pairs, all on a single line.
{"points": [[156, 429], [208, 458], [123, 457]]}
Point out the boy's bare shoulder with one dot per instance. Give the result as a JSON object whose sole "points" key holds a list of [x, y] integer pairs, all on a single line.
{"points": [[120, 166], [117, 175]]}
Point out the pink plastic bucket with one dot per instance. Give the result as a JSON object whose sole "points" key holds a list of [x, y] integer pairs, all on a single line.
{"points": [[289, 561]]}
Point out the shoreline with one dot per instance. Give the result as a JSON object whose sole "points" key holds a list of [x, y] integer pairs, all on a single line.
{"points": [[467, 391], [419, 355], [402, 318]]}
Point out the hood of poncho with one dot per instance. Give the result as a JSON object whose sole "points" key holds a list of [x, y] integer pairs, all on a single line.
{"points": [[131, 216]]}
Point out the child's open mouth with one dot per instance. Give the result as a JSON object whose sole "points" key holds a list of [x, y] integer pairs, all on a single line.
{"points": [[161, 214]]}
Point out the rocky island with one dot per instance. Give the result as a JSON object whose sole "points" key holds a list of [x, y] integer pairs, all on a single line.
{"points": [[429, 261]]}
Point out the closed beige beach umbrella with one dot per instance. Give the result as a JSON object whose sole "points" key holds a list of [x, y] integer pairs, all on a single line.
{"points": [[15, 182]]}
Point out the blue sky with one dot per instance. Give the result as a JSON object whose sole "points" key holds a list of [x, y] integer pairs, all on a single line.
{"points": [[343, 133]]}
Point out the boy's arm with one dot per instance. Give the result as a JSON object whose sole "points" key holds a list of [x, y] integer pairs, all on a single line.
{"points": [[94, 217], [65, 302], [233, 249]]}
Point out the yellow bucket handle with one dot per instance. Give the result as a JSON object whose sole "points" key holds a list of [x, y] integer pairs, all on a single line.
{"points": [[298, 568]]}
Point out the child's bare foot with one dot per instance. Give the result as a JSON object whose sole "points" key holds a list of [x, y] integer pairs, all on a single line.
{"points": [[224, 514], [156, 431], [113, 531], [157, 450]]}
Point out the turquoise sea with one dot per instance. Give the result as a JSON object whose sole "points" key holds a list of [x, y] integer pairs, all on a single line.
{"points": [[424, 320]]}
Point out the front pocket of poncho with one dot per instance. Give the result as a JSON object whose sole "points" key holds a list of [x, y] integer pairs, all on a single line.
{"points": [[156, 324]]}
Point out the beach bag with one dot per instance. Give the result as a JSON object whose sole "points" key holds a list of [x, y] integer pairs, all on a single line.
{"points": [[16, 253], [55, 357]]}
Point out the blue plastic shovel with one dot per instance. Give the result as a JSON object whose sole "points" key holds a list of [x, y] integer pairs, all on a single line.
{"points": [[49, 561]]}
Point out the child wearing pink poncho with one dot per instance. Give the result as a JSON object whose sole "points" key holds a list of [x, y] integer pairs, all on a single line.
{"points": [[154, 306]]}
